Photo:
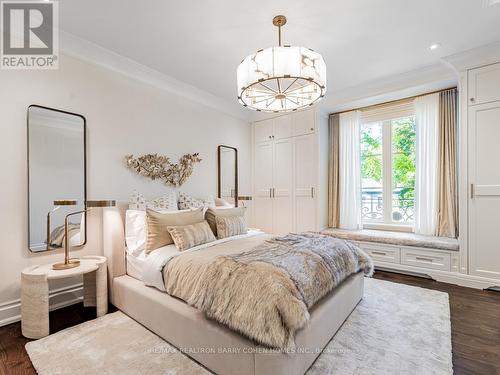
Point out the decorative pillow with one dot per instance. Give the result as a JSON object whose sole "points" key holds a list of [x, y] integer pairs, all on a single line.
{"points": [[186, 202], [135, 231], [137, 201], [188, 236], [219, 202], [228, 226], [157, 224], [212, 213], [167, 202]]}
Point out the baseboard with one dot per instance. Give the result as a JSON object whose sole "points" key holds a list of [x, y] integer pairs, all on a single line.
{"points": [[469, 281], [10, 312]]}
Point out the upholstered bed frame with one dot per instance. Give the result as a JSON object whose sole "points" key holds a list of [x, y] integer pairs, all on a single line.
{"points": [[218, 348]]}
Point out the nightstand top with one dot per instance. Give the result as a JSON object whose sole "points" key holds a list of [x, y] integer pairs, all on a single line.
{"points": [[87, 264]]}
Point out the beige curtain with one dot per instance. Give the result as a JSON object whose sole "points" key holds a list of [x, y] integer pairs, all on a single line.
{"points": [[447, 189], [333, 173]]}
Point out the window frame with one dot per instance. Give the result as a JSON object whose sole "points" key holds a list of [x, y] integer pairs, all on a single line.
{"points": [[385, 116]]}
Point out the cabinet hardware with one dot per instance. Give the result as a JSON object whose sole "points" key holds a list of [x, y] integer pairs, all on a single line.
{"points": [[424, 259], [472, 100], [270, 192], [270, 137], [471, 191], [312, 129], [273, 192], [312, 192]]}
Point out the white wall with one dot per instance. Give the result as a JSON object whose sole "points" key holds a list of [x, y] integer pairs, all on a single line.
{"points": [[123, 117]]}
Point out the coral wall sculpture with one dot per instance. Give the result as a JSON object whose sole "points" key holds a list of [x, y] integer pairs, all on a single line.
{"points": [[160, 167]]}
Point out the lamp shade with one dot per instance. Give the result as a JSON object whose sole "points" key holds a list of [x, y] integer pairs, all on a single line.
{"points": [[65, 202], [100, 203], [281, 79]]}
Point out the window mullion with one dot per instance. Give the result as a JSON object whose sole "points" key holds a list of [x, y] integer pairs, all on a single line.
{"points": [[387, 170]]}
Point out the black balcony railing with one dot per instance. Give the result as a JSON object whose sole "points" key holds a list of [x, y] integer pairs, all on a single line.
{"points": [[372, 208]]}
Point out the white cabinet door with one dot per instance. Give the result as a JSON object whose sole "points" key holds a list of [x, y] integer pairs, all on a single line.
{"points": [[263, 180], [303, 122], [282, 187], [305, 183], [484, 84], [263, 130], [484, 202], [282, 127]]}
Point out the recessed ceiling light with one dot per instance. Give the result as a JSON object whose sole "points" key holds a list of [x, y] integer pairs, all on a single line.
{"points": [[434, 46]]}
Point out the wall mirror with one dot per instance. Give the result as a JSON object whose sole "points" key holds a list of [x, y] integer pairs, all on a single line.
{"points": [[228, 174], [56, 177]]}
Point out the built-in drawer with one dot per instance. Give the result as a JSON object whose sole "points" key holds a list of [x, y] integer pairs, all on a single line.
{"points": [[381, 253], [426, 259]]}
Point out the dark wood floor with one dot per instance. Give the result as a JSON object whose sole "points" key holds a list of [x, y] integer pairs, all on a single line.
{"points": [[475, 324]]}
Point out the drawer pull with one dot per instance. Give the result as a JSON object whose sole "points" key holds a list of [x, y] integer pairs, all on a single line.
{"points": [[379, 253], [428, 260]]}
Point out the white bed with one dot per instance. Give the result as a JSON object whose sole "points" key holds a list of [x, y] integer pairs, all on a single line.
{"points": [[215, 346]]}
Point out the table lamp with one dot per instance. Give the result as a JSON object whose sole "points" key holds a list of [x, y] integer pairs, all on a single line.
{"points": [[71, 263], [57, 204]]}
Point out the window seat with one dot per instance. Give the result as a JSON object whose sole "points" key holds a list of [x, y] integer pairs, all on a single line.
{"points": [[395, 238]]}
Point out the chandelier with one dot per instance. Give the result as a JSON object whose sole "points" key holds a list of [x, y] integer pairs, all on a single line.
{"points": [[281, 79]]}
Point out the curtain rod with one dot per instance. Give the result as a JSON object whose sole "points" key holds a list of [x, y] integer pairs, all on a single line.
{"points": [[393, 101]]}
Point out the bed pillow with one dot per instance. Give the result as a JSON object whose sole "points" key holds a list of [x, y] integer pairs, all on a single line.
{"points": [[188, 236], [229, 226], [157, 223], [186, 202], [135, 231], [167, 202], [212, 213]]}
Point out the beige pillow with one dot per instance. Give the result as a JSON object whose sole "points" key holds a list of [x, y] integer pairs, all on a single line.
{"points": [[188, 236], [212, 213], [228, 226], [157, 224]]}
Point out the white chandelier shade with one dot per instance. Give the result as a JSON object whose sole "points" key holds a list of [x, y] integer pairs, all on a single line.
{"points": [[281, 79]]}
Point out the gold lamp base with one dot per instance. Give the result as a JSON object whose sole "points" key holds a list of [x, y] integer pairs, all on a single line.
{"points": [[72, 263]]}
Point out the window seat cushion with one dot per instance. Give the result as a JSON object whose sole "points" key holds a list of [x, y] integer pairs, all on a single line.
{"points": [[395, 238]]}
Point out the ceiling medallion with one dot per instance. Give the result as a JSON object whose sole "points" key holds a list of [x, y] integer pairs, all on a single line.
{"points": [[281, 79]]}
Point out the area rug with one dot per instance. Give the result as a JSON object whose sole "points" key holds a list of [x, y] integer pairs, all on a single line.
{"points": [[395, 329]]}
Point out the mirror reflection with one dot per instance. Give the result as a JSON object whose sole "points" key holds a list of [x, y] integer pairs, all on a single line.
{"points": [[228, 174], [56, 173]]}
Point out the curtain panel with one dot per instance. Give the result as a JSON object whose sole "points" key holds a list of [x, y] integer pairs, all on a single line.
{"points": [[350, 170], [447, 225], [333, 173], [426, 181]]}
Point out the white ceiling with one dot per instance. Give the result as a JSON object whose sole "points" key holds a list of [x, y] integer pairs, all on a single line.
{"points": [[202, 42]]}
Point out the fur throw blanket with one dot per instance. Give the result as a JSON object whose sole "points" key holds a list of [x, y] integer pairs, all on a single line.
{"points": [[265, 292]]}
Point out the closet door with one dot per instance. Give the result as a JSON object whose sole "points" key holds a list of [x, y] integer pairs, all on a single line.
{"points": [[282, 127], [263, 182], [263, 131], [484, 84], [303, 122], [282, 187], [484, 179], [305, 183]]}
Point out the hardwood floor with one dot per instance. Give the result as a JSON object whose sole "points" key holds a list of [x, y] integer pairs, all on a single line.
{"points": [[475, 325]]}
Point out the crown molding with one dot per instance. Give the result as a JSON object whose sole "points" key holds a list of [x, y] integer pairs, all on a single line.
{"points": [[473, 58], [85, 50], [415, 82]]}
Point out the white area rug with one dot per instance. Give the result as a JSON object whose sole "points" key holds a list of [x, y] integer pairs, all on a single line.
{"points": [[396, 329]]}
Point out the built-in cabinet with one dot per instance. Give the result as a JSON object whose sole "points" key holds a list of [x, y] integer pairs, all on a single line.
{"points": [[286, 159], [483, 127]]}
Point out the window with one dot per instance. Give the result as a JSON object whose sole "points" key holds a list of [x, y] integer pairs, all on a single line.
{"points": [[388, 149]]}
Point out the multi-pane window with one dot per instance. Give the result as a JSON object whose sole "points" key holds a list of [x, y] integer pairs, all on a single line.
{"points": [[388, 150]]}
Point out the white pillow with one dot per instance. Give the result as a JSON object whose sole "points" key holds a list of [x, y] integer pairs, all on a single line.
{"points": [[135, 231], [167, 201]]}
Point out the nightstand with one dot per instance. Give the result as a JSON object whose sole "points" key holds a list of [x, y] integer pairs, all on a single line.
{"points": [[35, 292]]}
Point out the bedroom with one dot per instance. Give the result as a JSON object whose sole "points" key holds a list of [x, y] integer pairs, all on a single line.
{"points": [[188, 140]]}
